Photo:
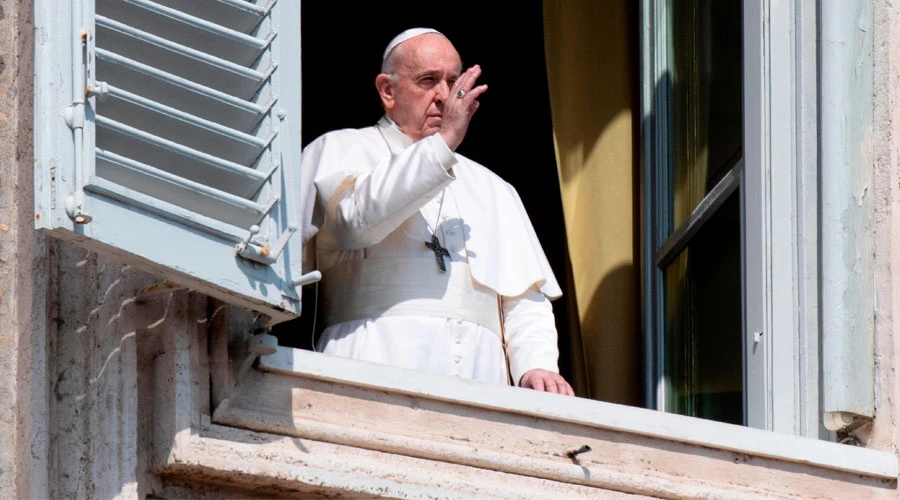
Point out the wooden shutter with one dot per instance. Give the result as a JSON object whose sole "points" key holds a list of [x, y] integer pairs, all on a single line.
{"points": [[168, 132]]}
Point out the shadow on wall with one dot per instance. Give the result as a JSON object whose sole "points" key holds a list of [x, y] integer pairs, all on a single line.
{"points": [[126, 348], [112, 323]]}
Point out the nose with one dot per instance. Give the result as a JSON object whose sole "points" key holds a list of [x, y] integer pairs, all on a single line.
{"points": [[442, 92]]}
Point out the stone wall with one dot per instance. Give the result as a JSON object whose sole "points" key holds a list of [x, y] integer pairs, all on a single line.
{"points": [[111, 323], [886, 432], [22, 359], [78, 331]]}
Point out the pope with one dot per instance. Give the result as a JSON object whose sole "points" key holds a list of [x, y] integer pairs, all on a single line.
{"points": [[429, 260]]}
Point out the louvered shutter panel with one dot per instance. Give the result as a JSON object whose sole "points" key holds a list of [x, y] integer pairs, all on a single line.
{"points": [[168, 132]]}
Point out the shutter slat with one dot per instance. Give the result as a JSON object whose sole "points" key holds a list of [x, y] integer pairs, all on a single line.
{"points": [[178, 126], [179, 191], [164, 210], [174, 91], [191, 31], [238, 15], [180, 60], [177, 159]]}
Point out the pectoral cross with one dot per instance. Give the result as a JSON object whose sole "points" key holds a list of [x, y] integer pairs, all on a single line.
{"points": [[439, 252]]}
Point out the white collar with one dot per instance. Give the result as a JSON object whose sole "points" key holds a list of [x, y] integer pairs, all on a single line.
{"points": [[393, 134]]}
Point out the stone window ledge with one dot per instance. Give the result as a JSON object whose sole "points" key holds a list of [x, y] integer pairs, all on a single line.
{"points": [[300, 419]]}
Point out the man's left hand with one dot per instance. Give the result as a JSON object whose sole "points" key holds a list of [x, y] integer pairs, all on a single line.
{"points": [[546, 381]]}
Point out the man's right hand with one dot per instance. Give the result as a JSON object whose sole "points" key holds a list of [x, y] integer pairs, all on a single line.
{"points": [[457, 111], [546, 381]]}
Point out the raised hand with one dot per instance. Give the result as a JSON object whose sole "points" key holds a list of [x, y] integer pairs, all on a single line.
{"points": [[461, 104]]}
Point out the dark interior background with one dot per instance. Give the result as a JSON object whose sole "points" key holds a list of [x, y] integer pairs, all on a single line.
{"points": [[511, 133]]}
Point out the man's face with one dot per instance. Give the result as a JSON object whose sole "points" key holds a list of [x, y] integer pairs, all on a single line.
{"points": [[429, 67]]}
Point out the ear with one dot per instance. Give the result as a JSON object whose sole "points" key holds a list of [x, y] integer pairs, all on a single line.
{"points": [[385, 90]]}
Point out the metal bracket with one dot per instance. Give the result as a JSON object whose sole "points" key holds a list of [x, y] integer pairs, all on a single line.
{"points": [[252, 251], [262, 343], [307, 279], [836, 420], [75, 116], [100, 91], [75, 208]]}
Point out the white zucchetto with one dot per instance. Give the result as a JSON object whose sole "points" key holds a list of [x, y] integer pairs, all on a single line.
{"points": [[406, 35]]}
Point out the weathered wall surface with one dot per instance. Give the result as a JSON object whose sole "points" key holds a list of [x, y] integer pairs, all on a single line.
{"points": [[885, 431], [67, 359], [20, 295], [111, 322], [78, 332]]}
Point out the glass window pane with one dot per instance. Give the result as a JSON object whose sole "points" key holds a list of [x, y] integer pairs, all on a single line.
{"points": [[706, 119], [702, 341]]}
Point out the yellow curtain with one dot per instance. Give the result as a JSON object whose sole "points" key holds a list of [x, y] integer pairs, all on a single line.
{"points": [[591, 67]]}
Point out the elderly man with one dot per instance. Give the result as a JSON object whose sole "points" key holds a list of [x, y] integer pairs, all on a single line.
{"points": [[429, 260]]}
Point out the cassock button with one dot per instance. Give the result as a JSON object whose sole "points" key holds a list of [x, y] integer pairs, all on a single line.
{"points": [[457, 340], [457, 359]]}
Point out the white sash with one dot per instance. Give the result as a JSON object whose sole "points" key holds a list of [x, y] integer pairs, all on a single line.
{"points": [[406, 286]]}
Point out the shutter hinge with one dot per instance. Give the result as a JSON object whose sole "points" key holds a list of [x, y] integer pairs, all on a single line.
{"points": [[100, 91], [255, 252], [75, 208], [74, 116], [264, 254]]}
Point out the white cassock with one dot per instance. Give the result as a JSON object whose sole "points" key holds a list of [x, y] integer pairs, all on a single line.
{"points": [[378, 199]]}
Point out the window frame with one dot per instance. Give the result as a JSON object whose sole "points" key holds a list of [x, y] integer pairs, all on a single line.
{"points": [[782, 267], [778, 205]]}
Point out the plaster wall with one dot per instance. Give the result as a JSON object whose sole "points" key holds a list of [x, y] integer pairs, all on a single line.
{"points": [[885, 429]]}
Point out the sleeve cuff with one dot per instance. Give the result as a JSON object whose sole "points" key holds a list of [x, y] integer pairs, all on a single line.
{"points": [[443, 152], [519, 367]]}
